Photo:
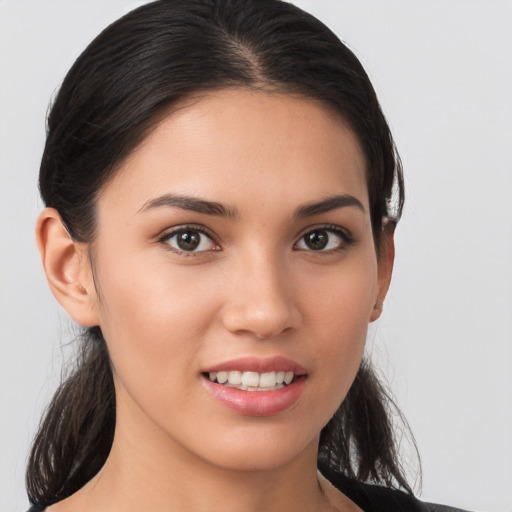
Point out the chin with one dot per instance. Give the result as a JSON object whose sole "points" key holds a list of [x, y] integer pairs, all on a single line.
{"points": [[261, 451]]}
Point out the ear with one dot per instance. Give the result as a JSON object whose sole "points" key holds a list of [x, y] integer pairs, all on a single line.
{"points": [[67, 268], [386, 258]]}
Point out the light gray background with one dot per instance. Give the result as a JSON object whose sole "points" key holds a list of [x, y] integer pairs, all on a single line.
{"points": [[443, 72]]}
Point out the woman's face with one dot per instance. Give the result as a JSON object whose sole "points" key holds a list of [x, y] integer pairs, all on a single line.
{"points": [[235, 243]]}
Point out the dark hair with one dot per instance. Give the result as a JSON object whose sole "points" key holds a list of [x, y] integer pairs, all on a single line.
{"points": [[116, 91]]}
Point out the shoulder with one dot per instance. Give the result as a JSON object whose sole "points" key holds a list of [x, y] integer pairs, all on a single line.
{"points": [[376, 498]]}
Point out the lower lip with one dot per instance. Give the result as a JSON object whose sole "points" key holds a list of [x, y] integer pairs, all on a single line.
{"points": [[257, 403]]}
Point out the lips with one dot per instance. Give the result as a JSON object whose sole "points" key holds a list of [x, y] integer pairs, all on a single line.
{"points": [[256, 387], [259, 365]]}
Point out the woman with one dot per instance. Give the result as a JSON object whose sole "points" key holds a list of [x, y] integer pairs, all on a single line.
{"points": [[221, 190]]}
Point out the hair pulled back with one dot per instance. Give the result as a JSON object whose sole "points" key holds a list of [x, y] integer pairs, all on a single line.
{"points": [[116, 91]]}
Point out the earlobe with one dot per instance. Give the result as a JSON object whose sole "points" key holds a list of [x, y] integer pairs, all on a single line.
{"points": [[385, 262], [67, 268]]}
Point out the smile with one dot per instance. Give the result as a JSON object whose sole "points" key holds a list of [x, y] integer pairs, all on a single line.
{"points": [[253, 381], [256, 386]]}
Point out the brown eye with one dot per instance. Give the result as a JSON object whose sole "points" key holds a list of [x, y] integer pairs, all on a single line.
{"points": [[190, 240], [317, 240], [323, 240]]}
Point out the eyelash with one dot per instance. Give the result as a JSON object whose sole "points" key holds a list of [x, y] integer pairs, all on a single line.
{"points": [[345, 237], [164, 239]]}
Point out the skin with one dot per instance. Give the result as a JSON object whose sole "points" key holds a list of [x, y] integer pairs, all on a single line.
{"points": [[254, 288]]}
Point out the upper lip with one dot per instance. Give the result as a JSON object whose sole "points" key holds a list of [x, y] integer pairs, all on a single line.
{"points": [[258, 364]]}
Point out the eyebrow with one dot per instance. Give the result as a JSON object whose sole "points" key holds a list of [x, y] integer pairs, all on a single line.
{"points": [[191, 204], [329, 204], [213, 208]]}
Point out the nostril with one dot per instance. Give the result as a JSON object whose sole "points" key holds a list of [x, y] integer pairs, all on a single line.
{"points": [[262, 307]]}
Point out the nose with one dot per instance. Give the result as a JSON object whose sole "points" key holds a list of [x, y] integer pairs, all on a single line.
{"points": [[261, 300]]}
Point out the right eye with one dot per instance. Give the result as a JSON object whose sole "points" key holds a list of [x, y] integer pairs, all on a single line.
{"points": [[189, 240]]}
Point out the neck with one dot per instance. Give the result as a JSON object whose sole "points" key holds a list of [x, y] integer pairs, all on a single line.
{"points": [[130, 480], [146, 470]]}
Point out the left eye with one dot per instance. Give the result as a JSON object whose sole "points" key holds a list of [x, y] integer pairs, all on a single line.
{"points": [[190, 240], [322, 240]]}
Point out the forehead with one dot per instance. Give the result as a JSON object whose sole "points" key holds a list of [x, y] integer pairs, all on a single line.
{"points": [[233, 143]]}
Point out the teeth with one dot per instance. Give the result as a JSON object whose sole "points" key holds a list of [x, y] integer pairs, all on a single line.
{"points": [[222, 377], [235, 378], [268, 380], [288, 377], [253, 381]]}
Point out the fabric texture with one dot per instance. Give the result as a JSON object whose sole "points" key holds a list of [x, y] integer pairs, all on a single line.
{"points": [[376, 498]]}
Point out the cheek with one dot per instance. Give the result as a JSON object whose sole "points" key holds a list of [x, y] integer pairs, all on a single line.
{"points": [[340, 302], [153, 319], [337, 309]]}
